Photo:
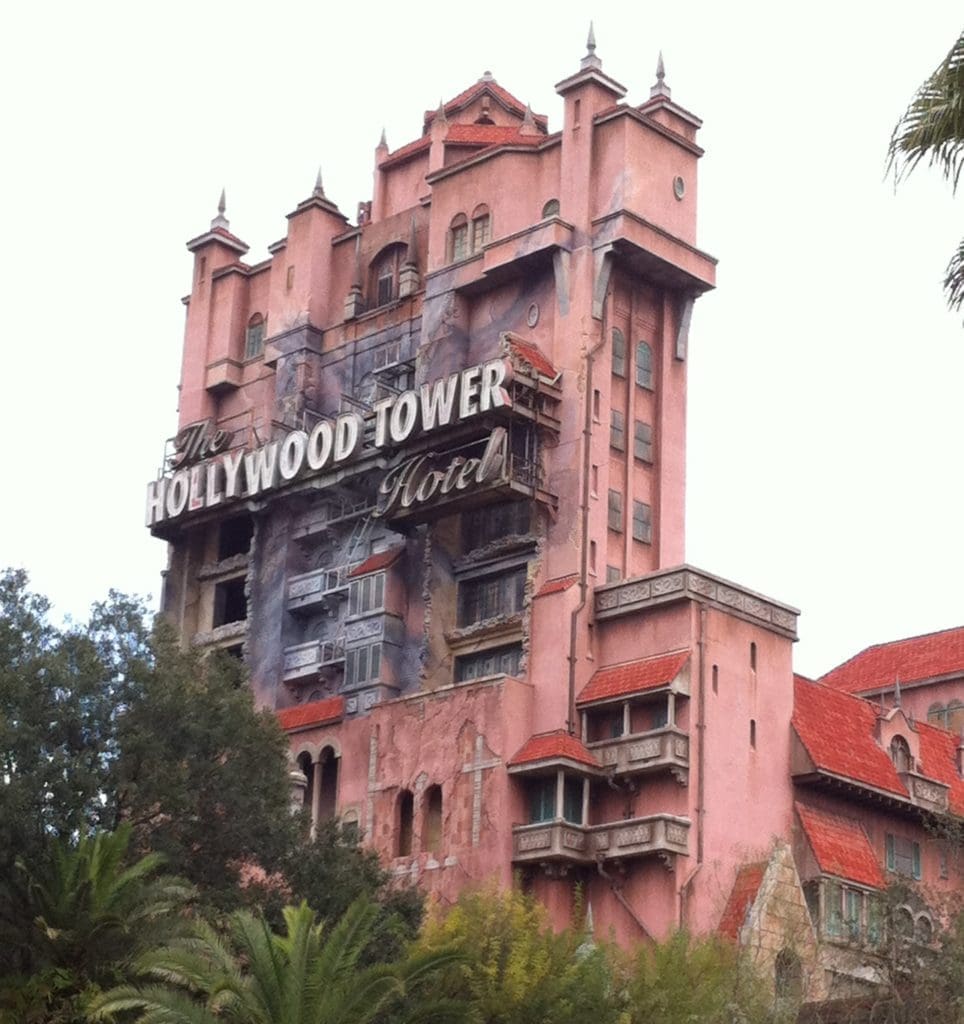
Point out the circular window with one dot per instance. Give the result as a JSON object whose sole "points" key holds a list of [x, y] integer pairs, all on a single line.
{"points": [[679, 187], [532, 317]]}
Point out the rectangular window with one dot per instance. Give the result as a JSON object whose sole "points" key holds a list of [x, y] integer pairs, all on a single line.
{"points": [[542, 800], [363, 664], [617, 431], [613, 574], [460, 242], [903, 856], [642, 522], [484, 525], [494, 662], [367, 594], [254, 339], [833, 921], [490, 596], [230, 602], [616, 510], [619, 354], [481, 232], [852, 900], [643, 441], [572, 800]]}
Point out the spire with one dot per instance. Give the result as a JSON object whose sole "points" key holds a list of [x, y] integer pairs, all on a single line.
{"points": [[897, 691], [440, 113], [529, 126], [319, 189], [220, 221], [660, 88], [383, 142], [590, 60]]}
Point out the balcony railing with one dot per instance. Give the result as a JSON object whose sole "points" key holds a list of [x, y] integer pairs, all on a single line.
{"points": [[309, 591], [543, 842], [659, 750], [301, 661]]}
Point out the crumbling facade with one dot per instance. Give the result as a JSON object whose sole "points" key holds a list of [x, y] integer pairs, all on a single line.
{"points": [[429, 483]]}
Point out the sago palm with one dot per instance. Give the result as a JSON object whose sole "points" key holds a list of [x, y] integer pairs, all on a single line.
{"points": [[932, 128], [254, 976]]}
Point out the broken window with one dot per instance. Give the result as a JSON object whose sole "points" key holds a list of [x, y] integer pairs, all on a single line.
{"points": [[230, 602], [432, 822], [484, 525], [234, 536], [406, 814], [489, 597]]}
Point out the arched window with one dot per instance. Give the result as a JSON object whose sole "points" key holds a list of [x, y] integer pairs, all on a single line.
{"points": [[481, 227], [254, 337], [328, 797], [458, 238], [551, 209], [384, 275], [937, 715], [924, 930], [644, 365], [788, 980], [349, 827], [403, 829], [304, 763], [432, 819], [903, 923], [900, 754]]}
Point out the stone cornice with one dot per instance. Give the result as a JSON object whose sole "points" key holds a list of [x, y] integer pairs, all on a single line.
{"points": [[686, 583]]}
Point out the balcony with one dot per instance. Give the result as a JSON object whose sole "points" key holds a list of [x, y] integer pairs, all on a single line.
{"points": [[561, 841], [659, 750], [309, 592], [304, 661]]}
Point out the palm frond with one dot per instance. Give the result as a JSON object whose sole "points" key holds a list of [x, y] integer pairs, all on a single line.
{"points": [[954, 279], [932, 127]]}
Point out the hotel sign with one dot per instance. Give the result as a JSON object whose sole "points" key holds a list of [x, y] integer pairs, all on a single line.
{"points": [[232, 475]]}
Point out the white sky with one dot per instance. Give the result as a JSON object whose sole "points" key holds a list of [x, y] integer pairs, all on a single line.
{"points": [[825, 421]]}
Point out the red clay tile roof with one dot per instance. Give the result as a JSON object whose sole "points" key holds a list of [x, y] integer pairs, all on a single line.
{"points": [[838, 733], [533, 356], [841, 846], [546, 746], [556, 586], [318, 712], [380, 561], [745, 887], [938, 757], [913, 659], [465, 97], [489, 135], [633, 677], [410, 149]]}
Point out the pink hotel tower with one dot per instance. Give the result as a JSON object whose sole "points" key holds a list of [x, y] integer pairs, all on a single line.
{"points": [[428, 482]]}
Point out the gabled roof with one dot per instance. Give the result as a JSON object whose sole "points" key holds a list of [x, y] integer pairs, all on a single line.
{"points": [[317, 712], [841, 846], [837, 731], [554, 746], [556, 586], [913, 659], [376, 562], [746, 885], [532, 355], [633, 677], [938, 757], [492, 87]]}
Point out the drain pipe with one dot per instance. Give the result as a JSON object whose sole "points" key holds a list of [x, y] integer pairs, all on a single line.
{"points": [[618, 893], [684, 890], [584, 509]]}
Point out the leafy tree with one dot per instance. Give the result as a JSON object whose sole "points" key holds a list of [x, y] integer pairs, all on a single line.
{"points": [[75, 919], [686, 979], [932, 127], [516, 969], [254, 976]]}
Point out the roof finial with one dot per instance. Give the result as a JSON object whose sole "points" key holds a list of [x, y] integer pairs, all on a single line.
{"points": [[383, 141], [660, 88], [220, 221], [897, 691], [487, 77], [319, 189], [591, 60], [529, 126]]}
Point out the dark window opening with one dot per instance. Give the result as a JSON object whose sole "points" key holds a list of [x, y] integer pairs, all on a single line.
{"points": [[551, 208], [753, 656], [329, 785], [788, 980], [492, 662], [304, 763], [484, 525], [753, 733], [604, 725], [716, 678], [230, 602], [234, 537], [491, 596], [406, 812], [900, 754], [349, 828], [572, 800], [903, 856], [542, 800], [432, 824], [384, 274], [235, 651]]}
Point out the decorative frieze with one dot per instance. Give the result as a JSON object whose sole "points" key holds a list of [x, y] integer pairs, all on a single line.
{"points": [[534, 841], [688, 583]]}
